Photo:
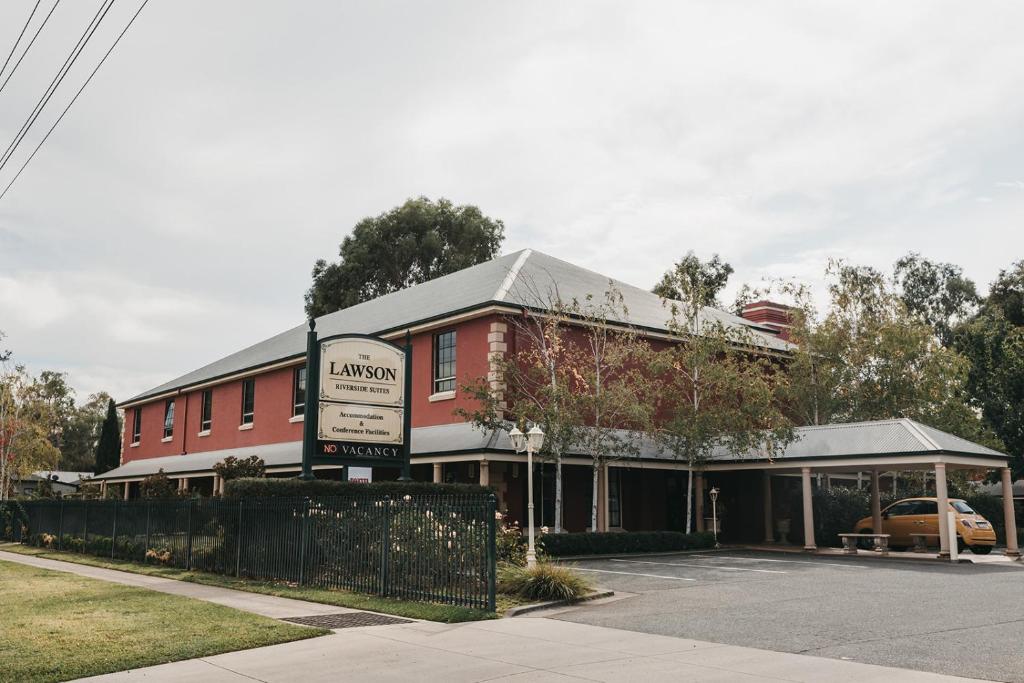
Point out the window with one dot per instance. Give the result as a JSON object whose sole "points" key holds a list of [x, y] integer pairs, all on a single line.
{"points": [[169, 418], [137, 424], [206, 415], [900, 509], [299, 392], [248, 400], [444, 362], [960, 506], [927, 507]]}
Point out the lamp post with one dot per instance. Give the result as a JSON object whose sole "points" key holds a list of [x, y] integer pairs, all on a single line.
{"points": [[531, 441], [713, 493]]}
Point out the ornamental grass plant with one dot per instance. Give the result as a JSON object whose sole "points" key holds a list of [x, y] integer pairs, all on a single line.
{"points": [[544, 581]]}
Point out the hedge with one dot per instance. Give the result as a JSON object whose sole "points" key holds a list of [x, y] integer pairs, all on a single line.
{"points": [[297, 488], [616, 543]]}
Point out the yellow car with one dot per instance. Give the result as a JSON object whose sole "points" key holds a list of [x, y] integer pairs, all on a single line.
{"points": [[920, 516]]}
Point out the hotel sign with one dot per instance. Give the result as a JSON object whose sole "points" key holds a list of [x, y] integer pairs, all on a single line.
{"points": [[362, 414], [360, 370]]}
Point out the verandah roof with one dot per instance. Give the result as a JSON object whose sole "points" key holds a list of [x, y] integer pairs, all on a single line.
{"points": [[890, 444]]}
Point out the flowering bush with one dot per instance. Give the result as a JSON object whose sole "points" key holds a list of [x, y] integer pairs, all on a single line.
{"points": [[511, 544], [163, 556]]}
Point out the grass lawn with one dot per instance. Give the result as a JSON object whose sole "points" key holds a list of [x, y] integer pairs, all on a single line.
{"points": [[429, 611], [58, 626]]}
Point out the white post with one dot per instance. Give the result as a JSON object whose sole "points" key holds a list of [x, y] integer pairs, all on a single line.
{"points": [[485, 473], [876, 504], [942, 496], [438, 473], [1008, 516], [809, 545], [954, 548], [531, 550]]}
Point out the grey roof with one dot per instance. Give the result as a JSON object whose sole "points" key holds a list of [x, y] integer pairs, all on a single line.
{"points": [[64, 476], [523, 278], [880, 439]]}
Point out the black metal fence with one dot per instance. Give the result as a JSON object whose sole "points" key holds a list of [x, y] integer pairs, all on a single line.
{"points": [[428, 548]]}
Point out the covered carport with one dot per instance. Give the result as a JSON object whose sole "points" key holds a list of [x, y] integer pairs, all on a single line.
{"points": [[872, 447]]}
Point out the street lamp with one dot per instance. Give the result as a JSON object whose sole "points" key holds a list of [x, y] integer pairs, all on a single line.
{"points": [[532, 441], [714, 513]]}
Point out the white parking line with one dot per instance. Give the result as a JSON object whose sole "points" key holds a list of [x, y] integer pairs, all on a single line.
{"points": [[653, 576], [705, 566], [762, 559]]}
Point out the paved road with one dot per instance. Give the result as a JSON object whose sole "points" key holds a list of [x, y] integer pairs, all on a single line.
{"points": [[964, 619]]}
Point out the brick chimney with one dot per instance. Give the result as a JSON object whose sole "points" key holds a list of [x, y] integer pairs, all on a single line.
{"points": [[769, 315]]}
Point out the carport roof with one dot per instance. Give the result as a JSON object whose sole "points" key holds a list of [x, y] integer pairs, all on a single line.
{"points": [[884, 441]]}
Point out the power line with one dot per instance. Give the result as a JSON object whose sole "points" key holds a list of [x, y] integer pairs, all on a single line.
{"points": [[72, 57], [45, 137], [23, 29], [29, 46]]}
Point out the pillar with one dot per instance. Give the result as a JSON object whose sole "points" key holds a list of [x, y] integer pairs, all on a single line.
{"points": [[805, 474], [876, 504], [1008, 516], [698, 491], [127, 488], [603, 510], [220, 489], [184, 484], [942, 496], [438, 473], [103, 489], [485, 473], [769, 531]]}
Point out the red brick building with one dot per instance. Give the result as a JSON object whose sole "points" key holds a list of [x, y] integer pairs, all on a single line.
{"points": [[252, 403]]}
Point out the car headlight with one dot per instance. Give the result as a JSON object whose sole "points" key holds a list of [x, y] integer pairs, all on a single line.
{"points": [[965, 523]]}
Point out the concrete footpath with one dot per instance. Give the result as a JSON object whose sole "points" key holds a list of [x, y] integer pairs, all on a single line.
{"points": [[524, 649]]}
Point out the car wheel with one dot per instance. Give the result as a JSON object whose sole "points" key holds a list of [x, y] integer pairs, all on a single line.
{"points": [[981, 549], [865, 543]]}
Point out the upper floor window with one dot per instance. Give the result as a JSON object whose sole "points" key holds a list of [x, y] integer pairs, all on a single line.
{"points": [[299, 392], [169, 418], [136, 424], [444, 362], [206, 415], [248, 399]]}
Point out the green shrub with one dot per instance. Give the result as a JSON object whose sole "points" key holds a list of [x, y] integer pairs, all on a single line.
{"points": [[617, 543], [13, 520], [543, 581], [297, 488]]}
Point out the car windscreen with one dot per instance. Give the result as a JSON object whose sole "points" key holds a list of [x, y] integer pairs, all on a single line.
{"points": [[961, 506]]}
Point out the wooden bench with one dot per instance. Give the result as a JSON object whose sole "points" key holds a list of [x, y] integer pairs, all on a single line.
{"points": [[881, 542], [921, 541]]}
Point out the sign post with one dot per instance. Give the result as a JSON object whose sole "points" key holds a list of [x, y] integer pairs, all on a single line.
{"points": [[357, 403], [312, 392]]}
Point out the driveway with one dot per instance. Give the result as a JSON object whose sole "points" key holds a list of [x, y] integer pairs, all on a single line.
{"points": [[963, 619]]}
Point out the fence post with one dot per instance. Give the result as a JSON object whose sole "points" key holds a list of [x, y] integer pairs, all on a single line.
{"points": [[302, 540], [113, 534], [385, 546], [492, 579], [60, 524], [188, 546], [238, 555], [145, 553]]}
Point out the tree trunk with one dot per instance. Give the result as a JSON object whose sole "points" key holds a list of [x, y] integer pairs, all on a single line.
{"points": [[689, 499], [593, 507]]}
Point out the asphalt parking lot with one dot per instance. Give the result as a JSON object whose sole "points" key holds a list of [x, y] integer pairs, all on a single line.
{"points": [[963, 619]]}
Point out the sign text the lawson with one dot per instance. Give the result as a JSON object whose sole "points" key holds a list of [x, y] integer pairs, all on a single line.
{"points": [[362, 412]]}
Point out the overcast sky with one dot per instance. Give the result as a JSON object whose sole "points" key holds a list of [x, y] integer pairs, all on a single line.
{"points": [[174, 215]]}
